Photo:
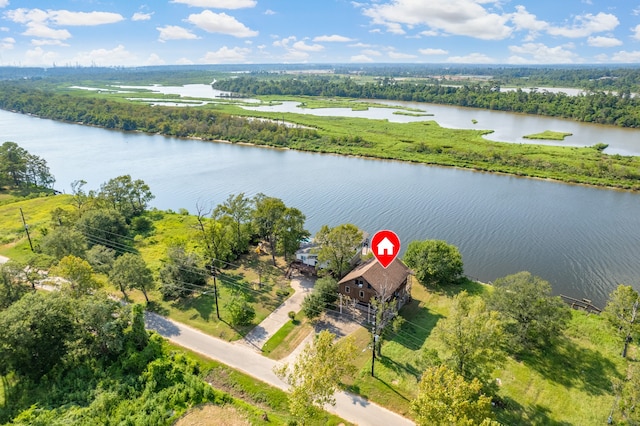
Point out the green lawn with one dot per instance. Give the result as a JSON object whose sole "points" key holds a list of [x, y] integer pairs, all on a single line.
{"points": [[570, 384]]}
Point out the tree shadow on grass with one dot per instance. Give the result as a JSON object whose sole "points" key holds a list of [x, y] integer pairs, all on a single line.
{"points": [[419, 324], [204, 304], [400, 368], [510, 412], [573, 366]]}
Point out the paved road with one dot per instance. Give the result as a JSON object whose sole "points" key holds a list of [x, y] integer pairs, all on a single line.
{"points": [[259, 335], [348, 406]]}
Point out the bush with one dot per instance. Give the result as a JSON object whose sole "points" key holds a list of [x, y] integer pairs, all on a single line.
{"points": [[240, 311]]}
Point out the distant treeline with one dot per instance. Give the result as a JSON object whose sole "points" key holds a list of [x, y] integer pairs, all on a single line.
{"points": [[620, 108], [182, 122]]}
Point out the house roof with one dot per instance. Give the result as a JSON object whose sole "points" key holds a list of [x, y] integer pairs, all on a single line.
{"points": [[383, 281]]}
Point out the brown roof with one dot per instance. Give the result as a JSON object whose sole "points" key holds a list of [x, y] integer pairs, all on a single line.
{"points": [[392, 277]]}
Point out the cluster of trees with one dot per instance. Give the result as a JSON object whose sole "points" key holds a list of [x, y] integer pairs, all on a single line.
{"points": [[20, 169], [239, 220], [620, 109], [172, 121], [73, 357]]}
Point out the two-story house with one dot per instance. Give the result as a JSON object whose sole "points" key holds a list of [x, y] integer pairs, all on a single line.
{"points": [[370, 279]]}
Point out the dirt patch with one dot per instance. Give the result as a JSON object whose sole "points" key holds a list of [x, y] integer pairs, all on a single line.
{"points": [[210, 414]]}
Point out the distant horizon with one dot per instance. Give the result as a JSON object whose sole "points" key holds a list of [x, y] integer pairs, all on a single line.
{"points": [[212, 32]]}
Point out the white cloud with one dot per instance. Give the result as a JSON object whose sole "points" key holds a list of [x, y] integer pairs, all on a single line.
{"points": [[626, 57], [220, 23], [37, 29], [68, 18], [603, 42], [473, 58], [333, 38], [154, 59], [284, 42], [226, 55], [433, 51], [139, 16], [585, 25], [399, 55], [301, 45], [370, 52], [218, 4], [4, 3], [269, 12], [103, 57], [360, 45], [459, 17], [48, 42], [38, 56], [429, 33], [184, 61], [361, 58], [7, 43], [173, 32], [542, 54], [523, 20], [636, 32]]}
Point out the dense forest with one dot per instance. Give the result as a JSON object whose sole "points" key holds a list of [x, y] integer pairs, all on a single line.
{"points": [[620, 108]]}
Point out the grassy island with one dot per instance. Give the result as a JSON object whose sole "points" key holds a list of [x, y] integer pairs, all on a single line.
{"points": [[549, 135]]}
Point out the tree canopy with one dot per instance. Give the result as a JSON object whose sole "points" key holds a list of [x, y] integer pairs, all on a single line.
{"points": [[21, 169], [338, 245], [533, 317], [434, 262], [621, 312], [316, 373]]}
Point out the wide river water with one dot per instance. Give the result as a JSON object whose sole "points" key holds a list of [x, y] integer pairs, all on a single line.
{"points": [[583, 240]]}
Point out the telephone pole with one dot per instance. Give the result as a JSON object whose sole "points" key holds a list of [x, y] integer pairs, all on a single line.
{"points": [[373, 345], [215, 288], [26, 228]]}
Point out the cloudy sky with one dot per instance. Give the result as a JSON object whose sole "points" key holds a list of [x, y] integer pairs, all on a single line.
{"points": [[156, 32]]}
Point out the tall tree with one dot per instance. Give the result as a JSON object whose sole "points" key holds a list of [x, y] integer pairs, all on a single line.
{"points": [[434, 262], [78, 273], [291, 231], [106, 227], [182, 274], [533, 317], [129, 197], [445, 398], [131, 272], [238, 208], [338, 246], [315, 375], [64, 241], [472, 337], [266, 217], [622, 312], [34, 333]]}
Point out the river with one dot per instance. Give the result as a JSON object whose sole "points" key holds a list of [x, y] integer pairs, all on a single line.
{"points": [[583, 240]]}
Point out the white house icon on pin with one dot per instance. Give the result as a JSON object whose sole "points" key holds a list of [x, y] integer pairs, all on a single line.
{"points": [[385, 247]]}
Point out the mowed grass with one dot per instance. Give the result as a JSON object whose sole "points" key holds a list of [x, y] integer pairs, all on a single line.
{"points": [[568, 384], [288, 338]]}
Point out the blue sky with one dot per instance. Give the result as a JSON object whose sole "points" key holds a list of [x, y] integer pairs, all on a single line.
{"points": [[157, 32]]}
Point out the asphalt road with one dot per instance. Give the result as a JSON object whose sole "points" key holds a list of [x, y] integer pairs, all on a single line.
{"points": [[350, 407]]}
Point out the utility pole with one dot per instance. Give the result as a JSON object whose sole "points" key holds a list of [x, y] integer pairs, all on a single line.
{"points": [[215, 288], [373, 346], [26, 228]]}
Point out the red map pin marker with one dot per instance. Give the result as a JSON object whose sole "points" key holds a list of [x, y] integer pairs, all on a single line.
{"points": [[385, 246]]}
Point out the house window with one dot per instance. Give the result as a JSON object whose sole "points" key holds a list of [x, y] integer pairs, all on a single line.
{"points": [[361, 294], [368, 286], [360, 283], [347, 289]]}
